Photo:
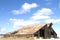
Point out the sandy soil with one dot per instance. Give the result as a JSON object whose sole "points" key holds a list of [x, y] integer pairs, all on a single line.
{"points": [[25, 38]]}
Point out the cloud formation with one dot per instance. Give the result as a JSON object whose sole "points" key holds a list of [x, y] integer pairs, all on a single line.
{"points": [[2, 30], [43, 13], [22, 22], [53, 20], [26, 7]]}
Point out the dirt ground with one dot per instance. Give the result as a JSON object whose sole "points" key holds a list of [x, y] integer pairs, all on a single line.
{"points": [[19, 38], [25, 38]]}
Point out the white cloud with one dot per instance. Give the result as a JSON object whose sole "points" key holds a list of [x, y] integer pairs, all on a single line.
{"points": [[42, 14], [21, 22], [26, 7], [52, 20], [39, 17], [2, 30], [44, 11], [15, 11]]}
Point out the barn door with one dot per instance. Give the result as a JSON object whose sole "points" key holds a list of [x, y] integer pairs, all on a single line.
{"points": [[42, 33]]}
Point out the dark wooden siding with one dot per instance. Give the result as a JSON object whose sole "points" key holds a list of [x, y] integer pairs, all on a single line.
{"points": [[46, 32]]}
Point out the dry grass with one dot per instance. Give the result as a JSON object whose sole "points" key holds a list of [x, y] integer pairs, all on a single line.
{"points": [[25, 38], [17, 38]]}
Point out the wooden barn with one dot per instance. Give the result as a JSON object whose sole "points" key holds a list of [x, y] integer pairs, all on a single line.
{"points": [[37, 30]]}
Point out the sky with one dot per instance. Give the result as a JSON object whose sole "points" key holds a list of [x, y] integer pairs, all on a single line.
{"points": [[15, 14]]}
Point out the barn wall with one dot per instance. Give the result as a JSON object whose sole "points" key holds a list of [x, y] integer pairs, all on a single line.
{"points": [[46, 32], [54, 33], [42, 32]]}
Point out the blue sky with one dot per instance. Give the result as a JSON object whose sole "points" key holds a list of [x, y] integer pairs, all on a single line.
{"points": [[14, 14]]}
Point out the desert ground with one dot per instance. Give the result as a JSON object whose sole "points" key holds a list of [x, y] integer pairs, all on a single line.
{"points": [[25, 38], [17, 38]]}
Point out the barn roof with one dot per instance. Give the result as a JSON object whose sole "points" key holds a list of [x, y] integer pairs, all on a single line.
{"points": [[30, 29]]}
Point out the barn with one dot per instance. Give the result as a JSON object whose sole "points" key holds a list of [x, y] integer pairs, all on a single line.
{"points": [[36, 30]]}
